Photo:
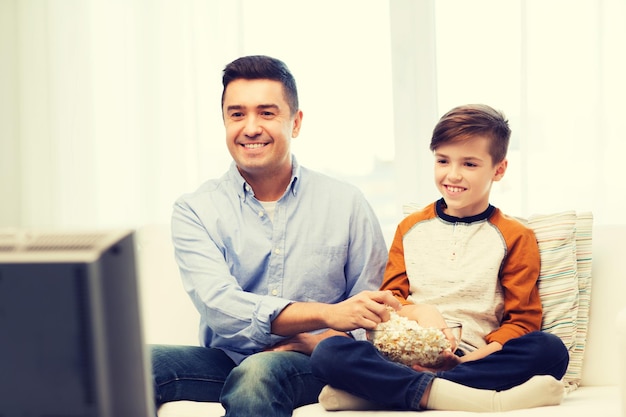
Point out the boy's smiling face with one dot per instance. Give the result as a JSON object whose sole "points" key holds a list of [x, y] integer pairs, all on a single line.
{"points": [[464, 172]]}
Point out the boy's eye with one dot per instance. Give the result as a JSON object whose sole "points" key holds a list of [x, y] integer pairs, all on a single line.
{"points": [[442, 161], [470, 164]]}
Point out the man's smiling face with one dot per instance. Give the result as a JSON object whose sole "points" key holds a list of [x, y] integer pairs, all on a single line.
{"points": [[259, 126]]}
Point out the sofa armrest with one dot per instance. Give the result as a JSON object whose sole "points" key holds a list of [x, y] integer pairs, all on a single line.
{"points": [[620, 325]]}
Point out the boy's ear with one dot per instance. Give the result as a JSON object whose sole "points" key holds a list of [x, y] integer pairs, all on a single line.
{"points": [[500, 170]]}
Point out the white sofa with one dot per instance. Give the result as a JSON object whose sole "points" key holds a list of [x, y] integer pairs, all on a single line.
{"points": [[170, 318]]}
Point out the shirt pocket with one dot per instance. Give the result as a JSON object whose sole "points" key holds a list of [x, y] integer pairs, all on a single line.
{"points": [[323, 273]]}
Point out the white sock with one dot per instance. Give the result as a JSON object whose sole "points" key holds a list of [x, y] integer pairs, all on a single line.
{"points": [[333, 399], [540, 390]]}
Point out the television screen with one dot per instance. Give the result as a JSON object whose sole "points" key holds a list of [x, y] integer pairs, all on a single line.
{"points": [[71, 339]]}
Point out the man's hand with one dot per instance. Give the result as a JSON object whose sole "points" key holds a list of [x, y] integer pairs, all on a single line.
{"points": [[305, 342], [364, 310]]}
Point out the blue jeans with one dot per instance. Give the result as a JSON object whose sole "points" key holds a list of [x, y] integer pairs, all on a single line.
{"points": [[264, 384], [357, 367]]}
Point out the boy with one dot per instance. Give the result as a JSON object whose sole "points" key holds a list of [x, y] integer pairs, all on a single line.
{"points": [[477, 266]]}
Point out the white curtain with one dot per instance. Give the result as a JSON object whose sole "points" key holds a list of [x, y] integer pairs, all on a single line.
{"points": [[109, 106], [109, 109], [556, 68], [112, 107], [573, 106]]}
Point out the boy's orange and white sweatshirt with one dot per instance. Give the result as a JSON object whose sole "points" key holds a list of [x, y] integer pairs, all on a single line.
{"points": [[480, 270]]}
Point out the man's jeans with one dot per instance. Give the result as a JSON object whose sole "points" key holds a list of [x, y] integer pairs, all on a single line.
{"points": [[357, 367], [264, 384]]}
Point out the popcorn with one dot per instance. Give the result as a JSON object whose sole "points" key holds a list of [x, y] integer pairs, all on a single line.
{"points": [[405, 341]]}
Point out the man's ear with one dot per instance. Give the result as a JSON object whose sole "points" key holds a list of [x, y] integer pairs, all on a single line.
{"points": [[297, 124], [500, 170]]}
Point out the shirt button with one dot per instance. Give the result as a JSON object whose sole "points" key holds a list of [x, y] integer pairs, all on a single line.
{"points": [[261, 214], [277, 251], [274, 292]]}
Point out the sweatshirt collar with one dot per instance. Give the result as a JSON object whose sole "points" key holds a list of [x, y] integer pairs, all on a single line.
{"points": [[441, 205]]}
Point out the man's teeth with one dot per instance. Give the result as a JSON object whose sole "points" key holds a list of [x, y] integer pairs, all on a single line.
{"points": [[253, 145]]}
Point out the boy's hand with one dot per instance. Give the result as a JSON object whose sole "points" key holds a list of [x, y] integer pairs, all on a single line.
{"points": [[426, 315], [454, 343], [450, 360]]}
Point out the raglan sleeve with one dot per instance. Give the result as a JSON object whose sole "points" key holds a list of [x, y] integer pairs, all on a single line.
{"points": [[395, 278], [519, 279]]}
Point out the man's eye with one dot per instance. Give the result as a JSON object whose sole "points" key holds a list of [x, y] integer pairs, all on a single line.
{"points": [[236, 115], [267, 114]]}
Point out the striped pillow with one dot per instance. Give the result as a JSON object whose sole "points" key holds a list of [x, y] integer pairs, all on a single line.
{"points": [[564, 241], [584, 225]]}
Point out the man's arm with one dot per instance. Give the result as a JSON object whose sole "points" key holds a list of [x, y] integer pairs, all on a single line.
{"points": [[364, 310], [235, 315], [365, 306]]}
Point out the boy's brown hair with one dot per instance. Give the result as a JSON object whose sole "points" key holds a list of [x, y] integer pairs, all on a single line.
{"points": [[471, 120]]}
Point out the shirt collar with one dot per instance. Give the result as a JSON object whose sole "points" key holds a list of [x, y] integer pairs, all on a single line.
{"points": [[296, 172], [243, 188]]}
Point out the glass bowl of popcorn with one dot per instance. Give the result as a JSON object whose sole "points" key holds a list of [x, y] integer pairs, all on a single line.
{"points": [[405, 341]]}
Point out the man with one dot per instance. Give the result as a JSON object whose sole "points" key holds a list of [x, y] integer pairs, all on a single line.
{"points": [[274, 256]]}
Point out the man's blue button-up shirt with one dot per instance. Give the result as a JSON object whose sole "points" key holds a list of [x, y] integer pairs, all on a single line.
{"points": [[241, 269]]}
